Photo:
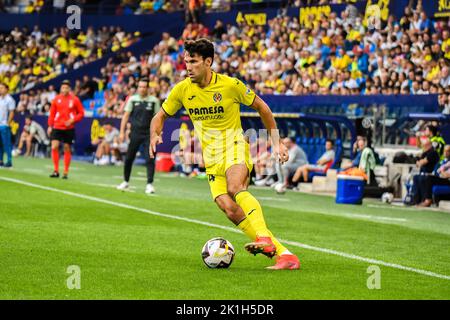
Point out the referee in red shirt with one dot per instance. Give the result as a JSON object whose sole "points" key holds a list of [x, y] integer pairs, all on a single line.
{"points": [[66, 110]]}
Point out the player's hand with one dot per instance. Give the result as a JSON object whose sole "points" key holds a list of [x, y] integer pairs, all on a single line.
{"points": [[155, 140], [281, 152], [121, 137], [69, 122], [49, 131]]}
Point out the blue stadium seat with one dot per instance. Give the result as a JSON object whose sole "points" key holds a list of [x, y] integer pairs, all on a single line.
{"points": [[441, 190], [98, 95], [87, 104]]}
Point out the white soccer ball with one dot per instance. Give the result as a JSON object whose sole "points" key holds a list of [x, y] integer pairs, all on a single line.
{"points": [[280, 188], [387, 197], [218, 253]]}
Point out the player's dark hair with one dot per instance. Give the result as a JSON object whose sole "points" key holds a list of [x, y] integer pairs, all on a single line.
{"points": [[203, 47], [29, 116], [330, 141], [432, 129], [65, 82]]}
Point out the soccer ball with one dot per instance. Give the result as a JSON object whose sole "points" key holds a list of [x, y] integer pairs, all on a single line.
{"points": [[280, 188], [218, 253], [387, 197]]}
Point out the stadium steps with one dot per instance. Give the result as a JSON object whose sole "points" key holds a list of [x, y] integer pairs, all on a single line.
{"points": [[325, 185], [444, 205]]}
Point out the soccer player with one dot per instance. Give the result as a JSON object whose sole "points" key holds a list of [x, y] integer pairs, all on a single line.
{"points": [[213, 104], [140, 109], [7, 107], [65, 111]]}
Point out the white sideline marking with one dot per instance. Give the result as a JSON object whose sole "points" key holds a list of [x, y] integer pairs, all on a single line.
{"points": [[405, 208], [292, 243], [274, 199], [112, 186], [369, 217]]}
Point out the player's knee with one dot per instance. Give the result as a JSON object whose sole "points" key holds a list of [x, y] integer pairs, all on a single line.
{"points": [[234, 189], [227, 206]]}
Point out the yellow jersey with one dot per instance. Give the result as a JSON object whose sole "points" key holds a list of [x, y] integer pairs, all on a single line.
{"points": [[215, 113]]}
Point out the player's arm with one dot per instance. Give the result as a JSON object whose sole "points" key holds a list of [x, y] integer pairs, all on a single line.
{"points": [[268, 120], [156, 127], [11, 108], [51, 117], [80, 111], [169, 108], [123, 126]]}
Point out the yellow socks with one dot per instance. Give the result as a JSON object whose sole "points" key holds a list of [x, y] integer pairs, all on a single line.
{"points": [[247, 228], [255, 225]]}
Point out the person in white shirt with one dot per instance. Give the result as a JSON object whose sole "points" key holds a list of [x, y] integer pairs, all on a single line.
{"points": [[7, 107], [297, 158], [323, 164], [32, 132]]}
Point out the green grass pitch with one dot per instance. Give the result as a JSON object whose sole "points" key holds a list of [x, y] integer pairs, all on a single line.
{"points": [[126, 250]]}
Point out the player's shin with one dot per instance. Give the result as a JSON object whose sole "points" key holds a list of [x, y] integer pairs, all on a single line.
{"points": [[67, 159], [246, 227], [55, 158]]}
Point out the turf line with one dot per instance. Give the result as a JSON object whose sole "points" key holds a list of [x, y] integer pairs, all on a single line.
{"points": [[292, 243]]}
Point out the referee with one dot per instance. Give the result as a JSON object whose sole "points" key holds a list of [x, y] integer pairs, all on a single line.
{"points": [[139, 109], [66, 110]]}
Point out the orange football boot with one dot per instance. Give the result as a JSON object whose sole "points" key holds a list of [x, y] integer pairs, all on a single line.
{"points": [[286, 262], [262, 245]]}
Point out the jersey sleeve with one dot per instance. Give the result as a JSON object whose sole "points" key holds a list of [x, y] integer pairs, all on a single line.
{"points": [[173, 103], [51, 116], [128, 105], [244, 95]]}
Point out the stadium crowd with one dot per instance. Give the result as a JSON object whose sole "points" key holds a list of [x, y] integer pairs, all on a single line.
{"points": [[333, 55], [30, 57]]}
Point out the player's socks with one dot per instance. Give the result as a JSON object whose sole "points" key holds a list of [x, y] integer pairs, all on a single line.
{"points": [[67, 158], [55, 158], [254, 213], [246, 227]]}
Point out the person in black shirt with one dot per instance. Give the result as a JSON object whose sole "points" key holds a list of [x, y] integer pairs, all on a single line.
{"points": [[139, 109], [427, 163]]}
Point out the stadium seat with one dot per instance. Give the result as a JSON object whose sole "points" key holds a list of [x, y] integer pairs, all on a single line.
{"points": [[440, 192]]}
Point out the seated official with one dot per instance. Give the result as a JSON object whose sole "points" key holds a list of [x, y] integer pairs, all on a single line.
{"points": [[32, 133], [441, 177], [322, 165], [426, 163]]}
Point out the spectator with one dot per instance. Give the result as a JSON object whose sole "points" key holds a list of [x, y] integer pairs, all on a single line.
{"points": [[438, 143], [7, 107], [322, 165], [358, 147], [442, 177], [32, 133], [105, 153], [368, 162], [426, 164], [297, 158], [88, 88], [193, 11]]}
